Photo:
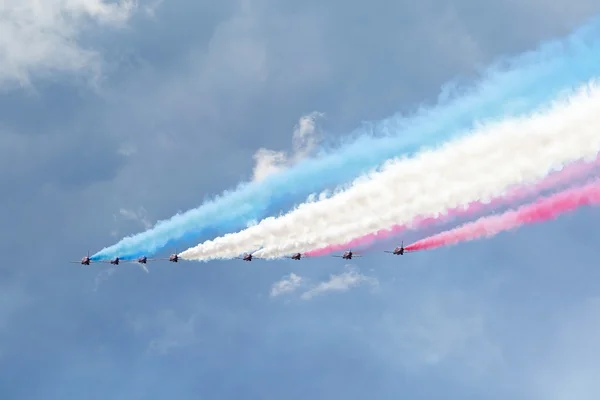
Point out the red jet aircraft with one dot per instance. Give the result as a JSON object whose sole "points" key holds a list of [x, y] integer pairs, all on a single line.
{"points": [[114, 261], [144, 260], [347, 255], [296, 256], [84, 261], [173, 258], [398, 251]]}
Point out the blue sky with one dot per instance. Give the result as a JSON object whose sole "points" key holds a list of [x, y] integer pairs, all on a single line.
{"points": [[112, 119]]}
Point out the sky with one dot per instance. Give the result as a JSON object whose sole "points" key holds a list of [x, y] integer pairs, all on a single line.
{"points": [[116, 115]]}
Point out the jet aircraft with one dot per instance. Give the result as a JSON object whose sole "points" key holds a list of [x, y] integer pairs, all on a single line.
{"points": [[347, 255], [296, 256], [398, 251], [172, 258], [84, 261], [246, 257], [114, 261], [144, 260]]}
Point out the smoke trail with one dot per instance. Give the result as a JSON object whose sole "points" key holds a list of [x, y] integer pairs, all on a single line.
{"points": [[474, 168], [542, 210], [512, 87], [555, 180]]}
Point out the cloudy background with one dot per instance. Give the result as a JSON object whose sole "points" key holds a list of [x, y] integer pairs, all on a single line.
{"points": [[114, 116]]}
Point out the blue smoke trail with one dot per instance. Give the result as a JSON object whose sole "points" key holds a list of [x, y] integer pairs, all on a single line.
{"points": [[512, 87]]}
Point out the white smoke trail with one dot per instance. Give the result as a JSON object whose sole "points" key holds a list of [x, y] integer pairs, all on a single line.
{"points": [[474, 168]]}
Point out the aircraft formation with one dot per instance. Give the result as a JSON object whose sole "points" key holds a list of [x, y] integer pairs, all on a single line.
{"points": [[116, 261], [347, 255]]}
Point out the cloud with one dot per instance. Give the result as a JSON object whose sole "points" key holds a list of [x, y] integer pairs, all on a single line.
{"points": [[127, 150], [336, 283], [440, 329], [125, 214], [340, 283], [177, 335], [139, 216], [40, 37], [568, 366], [102, 277], [150, 9], [304, 140], [287, 285], [168, 331]]}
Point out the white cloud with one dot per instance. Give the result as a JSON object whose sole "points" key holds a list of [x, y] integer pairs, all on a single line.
{"points": [[287, 285], [40, 37], [178, 333], [139, 216], [304, 140], [102, 277], [168, 331], [150, 9], [127, 150], [340, 283]]}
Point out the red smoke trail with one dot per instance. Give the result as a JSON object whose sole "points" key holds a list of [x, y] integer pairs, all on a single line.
{"points": [[569, 173], [544, 209]]}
